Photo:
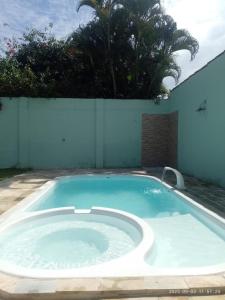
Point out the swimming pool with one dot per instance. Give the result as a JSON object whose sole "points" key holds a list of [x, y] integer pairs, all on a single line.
{"points": [[177, 235]]}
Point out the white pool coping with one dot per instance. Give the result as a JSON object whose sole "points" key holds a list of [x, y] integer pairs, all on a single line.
{"points": [[132, 260], [134, 263]]}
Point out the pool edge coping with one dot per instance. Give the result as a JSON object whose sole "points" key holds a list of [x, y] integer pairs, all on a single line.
{"points": [[43, 189], [142, 247], [81, 288]]}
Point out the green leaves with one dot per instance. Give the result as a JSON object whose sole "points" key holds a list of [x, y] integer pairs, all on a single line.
{"points": [[142, 42], [124, 52], [15, 81], [91, 3], [182, 40]]}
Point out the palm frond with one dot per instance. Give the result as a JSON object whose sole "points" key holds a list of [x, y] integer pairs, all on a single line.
{"points": [[182, 40], [90, 3]]}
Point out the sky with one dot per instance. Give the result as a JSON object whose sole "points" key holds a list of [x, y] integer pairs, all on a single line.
{"points": [[204, 19]]}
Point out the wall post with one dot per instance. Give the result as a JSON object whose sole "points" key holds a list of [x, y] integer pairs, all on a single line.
{"points": [[23, 133], [99, 133]]}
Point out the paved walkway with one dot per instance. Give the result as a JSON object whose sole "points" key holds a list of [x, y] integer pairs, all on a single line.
{"points": [[16, 188], [218, 297]]}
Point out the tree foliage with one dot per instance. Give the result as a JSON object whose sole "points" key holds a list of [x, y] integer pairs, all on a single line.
{"points": [[124, 52]]}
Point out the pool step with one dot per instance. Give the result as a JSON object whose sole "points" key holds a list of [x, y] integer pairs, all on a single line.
{"points": [[183, 241]]}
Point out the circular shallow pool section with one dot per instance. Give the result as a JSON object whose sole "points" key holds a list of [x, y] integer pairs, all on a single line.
{"points": [[60, 240]]}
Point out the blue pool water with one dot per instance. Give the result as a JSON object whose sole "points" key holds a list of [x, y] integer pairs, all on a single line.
{"points": [[141, 196], [65, 242], [184, 235]]}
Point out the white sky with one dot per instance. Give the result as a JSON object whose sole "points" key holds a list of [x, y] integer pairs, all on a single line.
{"points": [[204, 19]]}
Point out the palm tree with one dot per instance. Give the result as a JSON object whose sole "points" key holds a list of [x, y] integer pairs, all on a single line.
{"points": [[103, 12], [156, 35], [140, 43]]}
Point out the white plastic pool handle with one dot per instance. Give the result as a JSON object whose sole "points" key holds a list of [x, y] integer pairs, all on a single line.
{"points": [[180, 180]]}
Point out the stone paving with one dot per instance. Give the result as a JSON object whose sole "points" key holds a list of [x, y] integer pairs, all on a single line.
{"points": [[218, 297], [13, 190]]}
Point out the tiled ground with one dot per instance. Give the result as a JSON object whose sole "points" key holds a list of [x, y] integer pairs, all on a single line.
{"points": [[13, 190]]}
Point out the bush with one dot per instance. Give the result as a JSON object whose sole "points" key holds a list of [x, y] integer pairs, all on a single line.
{"points": [[124, 52]]}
